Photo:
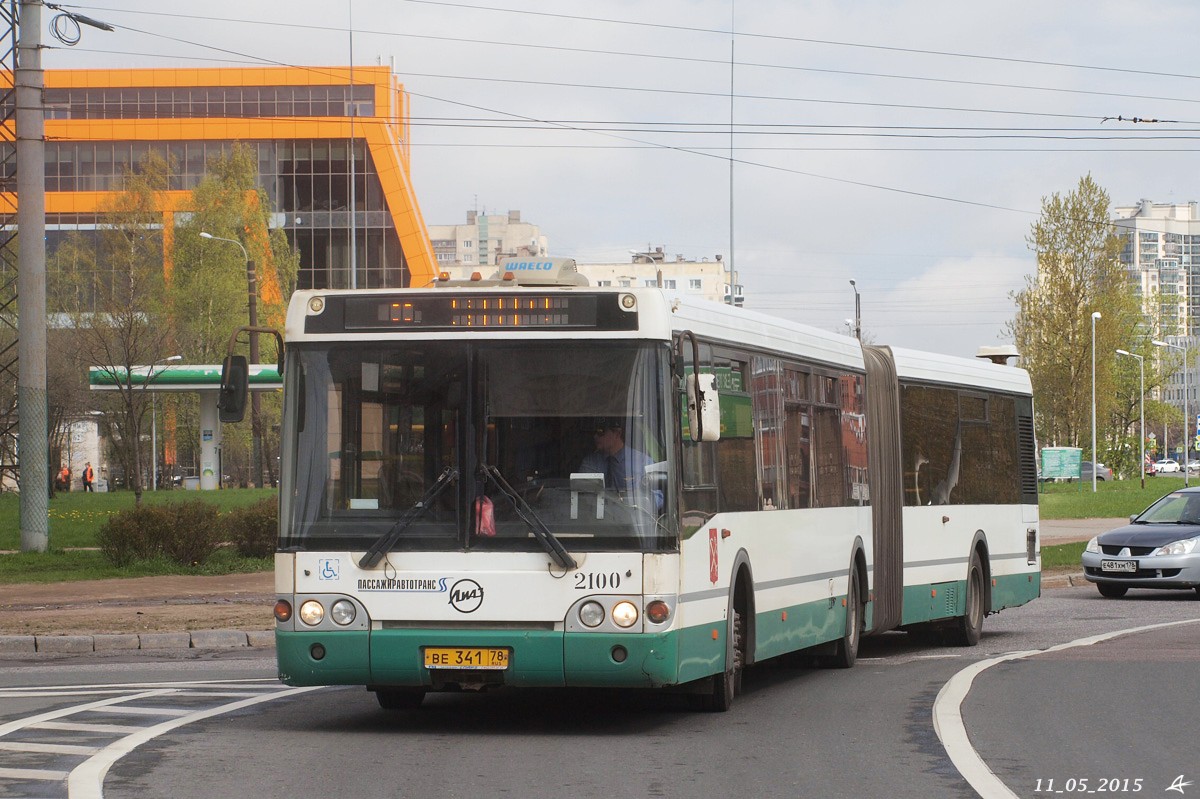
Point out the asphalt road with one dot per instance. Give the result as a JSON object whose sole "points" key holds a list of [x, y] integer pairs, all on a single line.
{"points": [[1107, 711]]}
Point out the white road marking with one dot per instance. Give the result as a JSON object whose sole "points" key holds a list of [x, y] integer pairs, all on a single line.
{"points": [[49, 749], [31, 774], [947, 712], [87, 779]]}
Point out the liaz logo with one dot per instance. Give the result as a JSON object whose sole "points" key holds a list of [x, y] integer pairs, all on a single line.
{"points": [[466, 596]]}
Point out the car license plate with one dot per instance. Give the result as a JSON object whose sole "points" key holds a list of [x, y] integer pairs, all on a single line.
{"points": [[1118, 565], [466, 657]]}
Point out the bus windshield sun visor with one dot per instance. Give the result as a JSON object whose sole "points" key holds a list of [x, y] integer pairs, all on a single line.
{"points": [[388, 540], [541, 532]]}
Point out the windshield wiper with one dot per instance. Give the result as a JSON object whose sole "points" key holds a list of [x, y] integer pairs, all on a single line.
{"points": [[539, 529], [389, 539]]}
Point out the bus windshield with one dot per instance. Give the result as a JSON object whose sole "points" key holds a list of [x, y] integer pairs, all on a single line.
{"points": [[573, 437]]}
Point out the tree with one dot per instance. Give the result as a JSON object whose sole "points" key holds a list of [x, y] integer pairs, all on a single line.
{"points": [[110, 288], [1078, 273], [208, 288]]}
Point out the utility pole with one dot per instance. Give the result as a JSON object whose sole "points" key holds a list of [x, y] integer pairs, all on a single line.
{"points": [[31, 282]]}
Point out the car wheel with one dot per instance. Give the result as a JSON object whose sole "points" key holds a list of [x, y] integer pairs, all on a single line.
{"points": [[1112, 590]]}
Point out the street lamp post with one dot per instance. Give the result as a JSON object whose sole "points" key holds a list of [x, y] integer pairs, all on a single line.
{"points": [[857, 312], [1186, 421], [1095, 316], [252, 299], [154, 420], [1141, 405]]}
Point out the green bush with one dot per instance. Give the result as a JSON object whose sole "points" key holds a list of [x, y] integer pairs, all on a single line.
{"points": [[192, 533], [186, 533], [253, 529], [132, 535]]}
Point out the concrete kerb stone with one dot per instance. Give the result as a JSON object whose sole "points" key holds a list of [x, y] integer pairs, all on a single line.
{"points": [[261, 638], [164, 640], [218, 639], [18, 644], [65, 644], [116, 642]]}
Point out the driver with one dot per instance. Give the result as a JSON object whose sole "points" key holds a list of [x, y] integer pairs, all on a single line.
{"points": [[622, 465]]}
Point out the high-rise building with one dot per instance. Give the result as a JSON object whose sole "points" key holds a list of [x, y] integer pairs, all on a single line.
{"points": [[1161, 256], [332, 147], [485, 238]]}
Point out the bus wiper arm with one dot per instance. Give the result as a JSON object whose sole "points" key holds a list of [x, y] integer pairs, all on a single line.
{"points": [[418, 509], [539, 529]]}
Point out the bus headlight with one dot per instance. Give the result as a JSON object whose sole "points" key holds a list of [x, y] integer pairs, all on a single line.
{"points": [[625, 614], [591, 614], [311, 613], [342, 612]]}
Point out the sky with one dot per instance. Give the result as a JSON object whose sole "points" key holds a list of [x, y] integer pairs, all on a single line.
{"points": [[905, 145]]}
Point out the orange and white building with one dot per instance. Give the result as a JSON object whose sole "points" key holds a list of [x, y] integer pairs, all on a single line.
{"points": [[332, 146]]}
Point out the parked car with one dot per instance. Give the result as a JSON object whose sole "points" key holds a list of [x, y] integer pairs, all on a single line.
{"points": [[1102, 472], [1159, 548], [1166, 465]]}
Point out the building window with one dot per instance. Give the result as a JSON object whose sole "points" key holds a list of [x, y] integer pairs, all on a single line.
{"points": [[668, 284], [694, 284]]}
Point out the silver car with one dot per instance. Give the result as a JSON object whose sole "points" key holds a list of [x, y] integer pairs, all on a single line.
{"points": [[1160, 548]]}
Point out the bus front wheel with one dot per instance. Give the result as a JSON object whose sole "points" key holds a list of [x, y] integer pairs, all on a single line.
{"points": [[727, 684]]}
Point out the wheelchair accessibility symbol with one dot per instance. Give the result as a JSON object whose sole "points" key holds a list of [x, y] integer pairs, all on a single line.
{"points": [[327, 569]]}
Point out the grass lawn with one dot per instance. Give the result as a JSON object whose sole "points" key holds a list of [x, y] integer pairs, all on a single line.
{"points": [[1113, 498], [76, 517]]}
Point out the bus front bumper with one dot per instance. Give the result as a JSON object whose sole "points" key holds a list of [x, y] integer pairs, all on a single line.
{"points": [[537, 658]]}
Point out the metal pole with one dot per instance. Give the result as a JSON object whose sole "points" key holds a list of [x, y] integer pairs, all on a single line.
{"points": [[1142, 404], [1187, 422], [153, 442], [1095, 316], [255, 399], [31, 283]]}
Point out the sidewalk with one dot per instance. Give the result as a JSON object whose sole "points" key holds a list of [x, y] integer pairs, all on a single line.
{"points": [[231, 611], [172, 612]]}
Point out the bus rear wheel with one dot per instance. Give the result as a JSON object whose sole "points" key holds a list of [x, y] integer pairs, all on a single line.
{"points": [[847, 648], [399, 698], [969, 627]]}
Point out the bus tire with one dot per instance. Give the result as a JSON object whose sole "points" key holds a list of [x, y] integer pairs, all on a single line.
{"points": [[846, 651], [968, 627], [399, 698], [727, 684]]}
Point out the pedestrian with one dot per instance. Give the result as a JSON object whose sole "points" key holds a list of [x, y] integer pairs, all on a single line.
{"points": [[88, 476], [64, 479]]}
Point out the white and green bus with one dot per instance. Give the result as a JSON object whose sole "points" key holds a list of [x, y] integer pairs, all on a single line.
{"points": [[448, 519]]}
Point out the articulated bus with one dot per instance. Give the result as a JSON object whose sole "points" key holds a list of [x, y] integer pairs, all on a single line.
{"points": [[528, 481]]}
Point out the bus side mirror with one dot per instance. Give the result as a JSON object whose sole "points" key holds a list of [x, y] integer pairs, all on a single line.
{"points": [[235, 381], [703, 407]]}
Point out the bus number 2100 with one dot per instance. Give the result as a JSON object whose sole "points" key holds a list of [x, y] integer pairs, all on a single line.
{"points": [[597, 581]]}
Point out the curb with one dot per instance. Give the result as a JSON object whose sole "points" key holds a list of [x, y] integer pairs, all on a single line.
{"points": [[1065, 580], [83, 644]]}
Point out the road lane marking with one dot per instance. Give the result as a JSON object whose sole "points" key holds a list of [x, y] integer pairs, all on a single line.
{"points": [[31, 774], [48, 749], [86, 780], [947, 711], [83, 726]]}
